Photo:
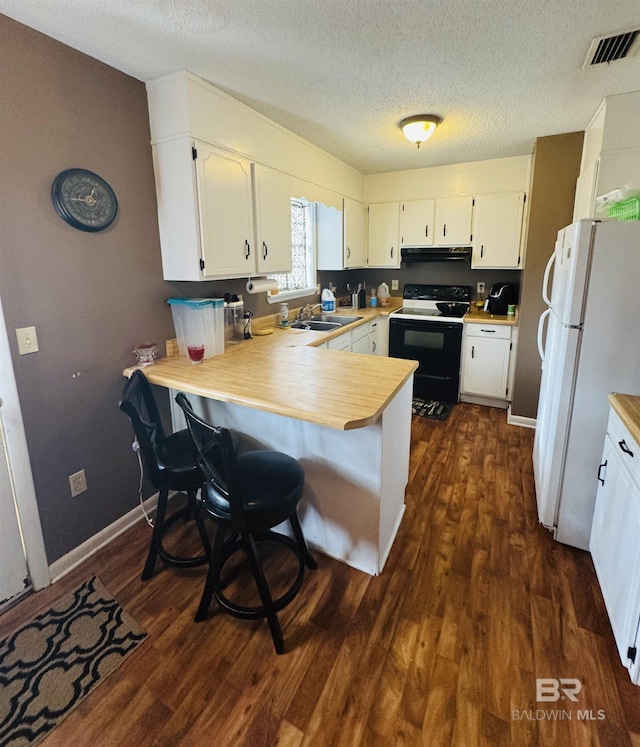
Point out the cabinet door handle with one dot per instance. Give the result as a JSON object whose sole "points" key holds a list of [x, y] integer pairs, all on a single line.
{"points": [[473, 351], [623, 445], [426, 230], [391, 252], [373, 346], [444, 230], [247, 248], [600, 468], [481, 251], [348, 252], [265, 250]]}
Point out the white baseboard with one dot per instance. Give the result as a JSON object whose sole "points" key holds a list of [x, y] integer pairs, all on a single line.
{"points": [[90, 547], [520, 420], [474, 399]]}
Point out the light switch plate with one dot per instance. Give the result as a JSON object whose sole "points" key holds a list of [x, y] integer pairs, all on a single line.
{"points": [[394, 285], [27, 340]]}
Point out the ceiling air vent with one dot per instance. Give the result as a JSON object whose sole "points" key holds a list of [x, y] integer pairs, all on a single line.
{"points": [[611, 47]]}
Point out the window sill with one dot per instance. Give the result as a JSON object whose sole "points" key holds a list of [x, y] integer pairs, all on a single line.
{"points": [[288, 295]]}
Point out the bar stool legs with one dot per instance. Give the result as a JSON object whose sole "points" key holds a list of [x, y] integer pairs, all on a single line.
{"points": [[224, 548], [161, 525]]}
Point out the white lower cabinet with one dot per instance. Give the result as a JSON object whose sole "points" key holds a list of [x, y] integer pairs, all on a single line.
{"points": [[342, 342], [356, 340], [486, 352], [371, 338], [360, 342], [379, 335], [614, 544]]}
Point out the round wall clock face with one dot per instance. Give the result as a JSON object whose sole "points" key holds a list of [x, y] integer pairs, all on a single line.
{"points": [[84, 200]]}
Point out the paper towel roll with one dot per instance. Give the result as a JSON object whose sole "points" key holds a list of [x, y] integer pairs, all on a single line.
{"points": [[261, 285]]}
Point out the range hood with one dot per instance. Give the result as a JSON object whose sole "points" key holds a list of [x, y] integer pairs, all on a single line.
{"points": [[435, 253]]}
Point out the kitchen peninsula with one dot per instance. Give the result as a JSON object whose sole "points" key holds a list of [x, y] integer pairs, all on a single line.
{"points": [[345, 416]]}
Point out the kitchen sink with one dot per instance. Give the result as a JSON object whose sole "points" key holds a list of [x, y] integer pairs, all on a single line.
{"points": [[338, 319], [316, 325]]}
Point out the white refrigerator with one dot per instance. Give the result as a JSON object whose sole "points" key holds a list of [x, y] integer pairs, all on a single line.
{"points": [[589, 343]]}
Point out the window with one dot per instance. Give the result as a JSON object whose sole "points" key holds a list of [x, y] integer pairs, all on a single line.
{"points": [[301, 281]]}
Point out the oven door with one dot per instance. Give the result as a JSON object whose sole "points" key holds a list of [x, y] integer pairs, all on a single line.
{"points": [[437, 348]]}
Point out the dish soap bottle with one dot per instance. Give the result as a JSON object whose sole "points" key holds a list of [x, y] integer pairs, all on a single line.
{"points": [[328, 300]]}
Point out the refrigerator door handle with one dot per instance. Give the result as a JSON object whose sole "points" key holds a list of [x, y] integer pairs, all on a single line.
{"points": [[545, 281], [543, 316]]}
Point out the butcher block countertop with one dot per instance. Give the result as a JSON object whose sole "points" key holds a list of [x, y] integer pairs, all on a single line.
{"points": [[478, 316], [627, 406], [284, 373]]}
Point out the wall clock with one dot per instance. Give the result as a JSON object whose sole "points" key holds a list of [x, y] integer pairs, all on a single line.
{"points": [[84, 200]]}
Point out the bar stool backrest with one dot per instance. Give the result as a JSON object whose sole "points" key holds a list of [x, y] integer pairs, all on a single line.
{"points": [[139, 404]]}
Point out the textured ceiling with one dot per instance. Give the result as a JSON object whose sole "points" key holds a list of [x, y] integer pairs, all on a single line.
{"points": [[342, 73]]}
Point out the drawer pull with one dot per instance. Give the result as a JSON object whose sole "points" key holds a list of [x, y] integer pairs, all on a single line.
{"points": [[490, 331], [623, 445], [600, 468]]}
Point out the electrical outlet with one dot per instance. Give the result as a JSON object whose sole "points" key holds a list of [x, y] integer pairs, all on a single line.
{"points": [[394, 285], [78, 483], [480, 287]]}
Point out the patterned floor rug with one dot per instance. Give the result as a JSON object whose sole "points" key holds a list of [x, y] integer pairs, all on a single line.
{"points": [[50, 664], [431, 408]]}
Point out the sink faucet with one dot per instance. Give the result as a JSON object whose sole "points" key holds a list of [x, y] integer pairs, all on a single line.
{"points": [[307, 311]]}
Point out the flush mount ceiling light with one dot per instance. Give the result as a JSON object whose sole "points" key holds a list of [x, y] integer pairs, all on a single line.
{"points": [[420, 127]]}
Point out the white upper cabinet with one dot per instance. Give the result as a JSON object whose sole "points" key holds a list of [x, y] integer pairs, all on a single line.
{"points": [[453, 221], [341, 236], [207, 199], [417, 223], [225, 211], [497, 228], [218, 217], [205, 211], [384, 233], [273, 220], [355, 248]]}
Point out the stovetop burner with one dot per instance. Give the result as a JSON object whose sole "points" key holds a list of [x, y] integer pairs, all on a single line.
{"points": [[447, 303]]}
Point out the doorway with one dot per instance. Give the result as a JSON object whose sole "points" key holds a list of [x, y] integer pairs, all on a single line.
{"points": [[23, 562]]}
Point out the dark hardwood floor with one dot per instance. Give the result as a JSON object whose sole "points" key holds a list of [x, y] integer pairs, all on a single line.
{"points": [[476, 602]]}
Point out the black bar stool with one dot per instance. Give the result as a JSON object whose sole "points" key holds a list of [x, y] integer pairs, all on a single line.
{"points": [[247, 495], [171, 464]]}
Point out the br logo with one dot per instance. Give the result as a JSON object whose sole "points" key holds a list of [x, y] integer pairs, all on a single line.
{"points": [[551, 690]]}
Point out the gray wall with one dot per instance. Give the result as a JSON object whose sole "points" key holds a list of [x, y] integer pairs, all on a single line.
{"points": [[556, 166], [91, 297], [447, 273]]}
